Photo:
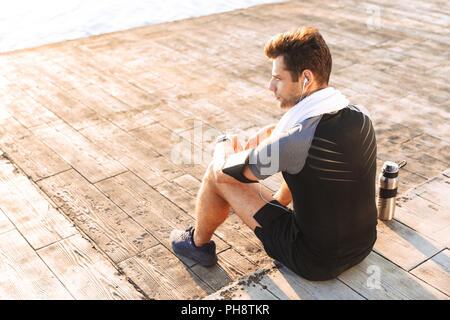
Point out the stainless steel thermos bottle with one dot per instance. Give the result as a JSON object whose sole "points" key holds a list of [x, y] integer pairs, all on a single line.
{"points": [[388, 183]]}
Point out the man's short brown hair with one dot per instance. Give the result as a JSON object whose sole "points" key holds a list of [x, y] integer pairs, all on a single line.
{"points": [[302, 48]]}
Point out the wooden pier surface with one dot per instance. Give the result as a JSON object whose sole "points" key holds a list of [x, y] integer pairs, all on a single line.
{"points": [[105, 141]]}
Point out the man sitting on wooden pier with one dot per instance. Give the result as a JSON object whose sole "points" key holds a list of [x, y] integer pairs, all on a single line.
{"points": [[326, 151]]}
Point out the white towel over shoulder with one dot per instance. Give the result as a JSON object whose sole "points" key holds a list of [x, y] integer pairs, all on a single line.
{"points": [[320, 102]]}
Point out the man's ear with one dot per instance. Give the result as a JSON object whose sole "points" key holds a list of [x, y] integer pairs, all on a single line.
{"points": [[309, 77]]}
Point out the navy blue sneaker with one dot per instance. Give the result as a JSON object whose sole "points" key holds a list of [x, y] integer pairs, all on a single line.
{"points": [[183, 244]]}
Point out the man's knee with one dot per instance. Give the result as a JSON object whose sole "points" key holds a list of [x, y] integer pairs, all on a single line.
{"points": [[215, 175], [211, 177], [209, 173]]}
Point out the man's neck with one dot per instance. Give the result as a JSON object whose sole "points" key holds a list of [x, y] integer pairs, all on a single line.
{"points": [[314, 90]]}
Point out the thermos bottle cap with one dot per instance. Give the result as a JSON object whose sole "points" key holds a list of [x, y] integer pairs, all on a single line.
{"points": [[390, 169]]}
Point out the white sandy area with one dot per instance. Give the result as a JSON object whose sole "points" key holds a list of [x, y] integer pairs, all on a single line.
{"points": [[29, 23]]}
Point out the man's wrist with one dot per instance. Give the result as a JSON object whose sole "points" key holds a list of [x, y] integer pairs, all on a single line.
{"points": [[235, 164], [222, 138]]}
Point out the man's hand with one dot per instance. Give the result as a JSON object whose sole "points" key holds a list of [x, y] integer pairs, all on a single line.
{"points": [[261, 135], [222, 150]]}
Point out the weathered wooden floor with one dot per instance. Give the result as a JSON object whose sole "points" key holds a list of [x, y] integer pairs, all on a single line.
{"points": [[106, 139]]}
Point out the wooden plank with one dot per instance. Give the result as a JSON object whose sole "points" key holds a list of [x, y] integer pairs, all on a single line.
{"points": [[5, 224], [201, 134], [162, 276], [389, 132], [35, 158], [226, 40], [446, 173], [173, 44], [247, 288], [132, 119], [116, 141], [225, 64], [436, 271], [118, 235], [96, 72], [85, 272], [83, 155], [239, 95], [177, 120], [153, 171], [189, 184], [56, 74], [13, 73], [408, 180], [435, 147], [26, 110], [404, 246], [29, 210], [24, 275], [61, 103], [376, 278], [149, 208], [194, 145], [442, 236], [236, 264], [5, 83], [96, 98], [243, 240], [133, 154], [181, 198], [230, 267], [286, 285], [424, 216], [436, 190], [173, 147], [148, 114], [434, 124], [213, 113], [126, 61], [418, 162]]}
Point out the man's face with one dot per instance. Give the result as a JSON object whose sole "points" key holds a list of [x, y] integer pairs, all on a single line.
{"points": [[286, 91]]}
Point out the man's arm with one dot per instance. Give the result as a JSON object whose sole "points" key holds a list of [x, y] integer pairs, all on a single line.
{"points": [[249, 174], [283, 194], [285, 152]]}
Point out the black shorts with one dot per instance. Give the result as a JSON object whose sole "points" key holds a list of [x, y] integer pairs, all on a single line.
{"points": [[283, 241], [280, 235]]}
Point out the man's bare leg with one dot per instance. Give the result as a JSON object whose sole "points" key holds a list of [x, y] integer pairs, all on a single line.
{"points": [[215, 199], [210, 209]]}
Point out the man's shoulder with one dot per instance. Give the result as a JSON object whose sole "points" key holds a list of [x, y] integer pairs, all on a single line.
{"points": [[352, 113], [347, 123], [359, 108]]}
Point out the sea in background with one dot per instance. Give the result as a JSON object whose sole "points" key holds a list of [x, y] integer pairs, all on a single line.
{"points": [[30, 23]]}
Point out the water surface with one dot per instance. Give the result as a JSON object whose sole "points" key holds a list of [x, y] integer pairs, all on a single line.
{"points": [[28, 23]]}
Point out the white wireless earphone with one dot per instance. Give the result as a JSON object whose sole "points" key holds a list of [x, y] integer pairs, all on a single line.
{"points": [[303, 88], [304, 83]]}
